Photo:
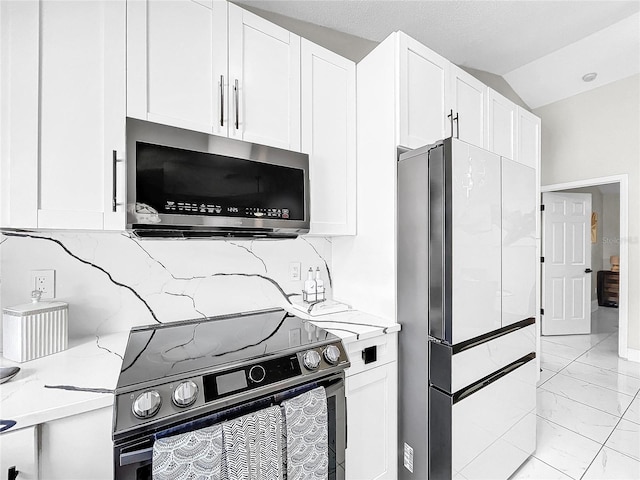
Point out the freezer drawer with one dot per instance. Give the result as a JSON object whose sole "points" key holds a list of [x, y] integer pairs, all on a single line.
{"points": [[486, 430], [452, 368]]}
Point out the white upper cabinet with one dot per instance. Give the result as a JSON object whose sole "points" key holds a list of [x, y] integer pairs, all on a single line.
{"points": [[264, 81], [329, 137], [177, 63], [210, 66], [424, 94], [79, 120], [528, 141], [19, 114], [468, 102], [503, 126]]}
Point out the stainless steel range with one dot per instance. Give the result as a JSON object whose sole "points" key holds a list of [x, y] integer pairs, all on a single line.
{"points": [[184, 376]]}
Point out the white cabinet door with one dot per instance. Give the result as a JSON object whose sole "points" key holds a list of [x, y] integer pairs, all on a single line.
{"points": [[264, 81], [503, 126], [519, 259], [424, 94], [177, 63], [468, 104], [79, 446], [82, 113], [19, 114], [371, 416], [329, 137], [528, 141], [19, 449], [66, 107]]}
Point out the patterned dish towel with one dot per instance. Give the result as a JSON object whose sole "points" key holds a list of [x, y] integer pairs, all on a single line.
{"points": [[193, 455], [253, 446], [307, 436]]}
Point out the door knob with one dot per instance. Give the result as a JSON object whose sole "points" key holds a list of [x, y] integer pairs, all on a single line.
{"points": [[587, 270]]}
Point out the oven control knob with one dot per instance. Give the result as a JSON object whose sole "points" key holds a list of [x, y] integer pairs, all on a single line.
{"points": [[311, 360], [257, 373], [147, 404], [332, 354], [185, 394]]}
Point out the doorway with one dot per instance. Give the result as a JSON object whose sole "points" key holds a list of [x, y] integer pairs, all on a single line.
{"points": [[609, 187]]}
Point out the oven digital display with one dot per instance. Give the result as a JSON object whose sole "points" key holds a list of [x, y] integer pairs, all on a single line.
{"points": [[231, 382]]}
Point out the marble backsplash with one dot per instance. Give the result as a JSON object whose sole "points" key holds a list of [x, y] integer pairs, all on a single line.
{"points": [[113, 281]]}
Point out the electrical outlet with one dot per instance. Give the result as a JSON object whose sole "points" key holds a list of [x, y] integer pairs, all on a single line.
{"points": [[45, 282], [294, 271]]}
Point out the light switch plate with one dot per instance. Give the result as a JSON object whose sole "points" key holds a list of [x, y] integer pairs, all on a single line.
{"points": [[294, 271]]}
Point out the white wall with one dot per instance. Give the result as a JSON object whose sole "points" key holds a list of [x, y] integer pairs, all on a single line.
{"points": [[596, 134], [611, 228], [113, 282]]}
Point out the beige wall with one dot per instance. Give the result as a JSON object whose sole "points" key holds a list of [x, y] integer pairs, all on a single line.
{"points": [[498, 83], [349, 46], [597, 134]]}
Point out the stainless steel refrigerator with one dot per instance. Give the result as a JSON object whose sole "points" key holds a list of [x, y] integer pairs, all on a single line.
{"points": [[466, 256]]}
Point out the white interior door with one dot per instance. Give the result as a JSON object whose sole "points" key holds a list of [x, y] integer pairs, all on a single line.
{"points": [[567, 263]]}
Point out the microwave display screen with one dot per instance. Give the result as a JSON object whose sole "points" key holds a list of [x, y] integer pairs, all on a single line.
{"points": [[185, 182]]}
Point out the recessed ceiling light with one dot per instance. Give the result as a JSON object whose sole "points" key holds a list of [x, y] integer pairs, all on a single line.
{"points": [[589, 77]]}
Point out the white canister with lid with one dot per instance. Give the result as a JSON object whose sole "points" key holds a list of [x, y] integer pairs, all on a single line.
{"points": [[35, 329]]}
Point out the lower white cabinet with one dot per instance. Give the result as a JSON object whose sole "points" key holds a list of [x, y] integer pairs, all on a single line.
{"points": [[371, 390], [19, 452], [77, 447]]}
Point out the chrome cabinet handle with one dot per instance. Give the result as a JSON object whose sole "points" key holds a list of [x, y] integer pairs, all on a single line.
{"points": [[452, 119], [114, 192], [235, 91], [115, 182], [222, 100]]}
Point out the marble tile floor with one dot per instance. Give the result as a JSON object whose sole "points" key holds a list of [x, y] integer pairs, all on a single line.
{"points": [[588, 408]]}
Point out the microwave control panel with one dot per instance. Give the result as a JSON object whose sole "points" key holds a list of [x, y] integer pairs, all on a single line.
{"points": [[172, 206]]}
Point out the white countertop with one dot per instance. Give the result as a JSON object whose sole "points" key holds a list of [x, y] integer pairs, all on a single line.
{"points": [[351, 325], [77, 380], [83, 377]]}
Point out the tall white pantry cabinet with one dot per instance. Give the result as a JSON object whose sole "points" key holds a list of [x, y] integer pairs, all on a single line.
{"points": [[414, 114], [408, 96]]}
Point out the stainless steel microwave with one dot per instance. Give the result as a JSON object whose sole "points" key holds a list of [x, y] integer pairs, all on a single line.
{"points": [[190, 185]]}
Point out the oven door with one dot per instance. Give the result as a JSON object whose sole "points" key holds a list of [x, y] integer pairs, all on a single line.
{"points": [[132, 457]]}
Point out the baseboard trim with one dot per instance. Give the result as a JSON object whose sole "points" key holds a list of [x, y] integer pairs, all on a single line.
{"points": [[594, 305], [633, 355]]}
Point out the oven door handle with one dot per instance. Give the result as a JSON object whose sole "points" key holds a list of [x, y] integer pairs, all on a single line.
{"points": [[136, 456]]}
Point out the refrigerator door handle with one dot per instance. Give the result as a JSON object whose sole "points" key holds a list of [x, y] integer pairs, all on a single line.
{"points": [[489, 379]]}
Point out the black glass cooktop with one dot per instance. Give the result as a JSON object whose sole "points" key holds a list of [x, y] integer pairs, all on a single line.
{"points": [[159, 351]]}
